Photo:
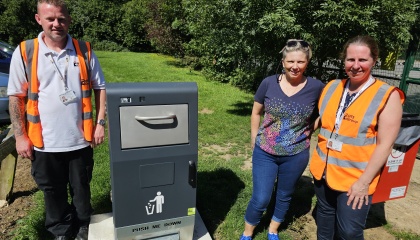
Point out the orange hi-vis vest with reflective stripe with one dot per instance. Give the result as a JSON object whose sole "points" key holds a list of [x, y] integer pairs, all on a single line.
{"points": [[29, 51], [357, 132]]}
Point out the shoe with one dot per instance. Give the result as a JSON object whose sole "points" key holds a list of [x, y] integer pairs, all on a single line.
{"points": [[242, 237], [273, 236], [61, 238], [82, 234]]}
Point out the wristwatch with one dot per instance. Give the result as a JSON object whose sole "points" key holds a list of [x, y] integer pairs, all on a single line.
{"points": [[101, 122]]}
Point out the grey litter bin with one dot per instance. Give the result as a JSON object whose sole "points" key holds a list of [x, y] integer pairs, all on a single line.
{"points": [[153, 144]]}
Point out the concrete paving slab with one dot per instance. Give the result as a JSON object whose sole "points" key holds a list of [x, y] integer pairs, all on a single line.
{"points": [[102, 228]]}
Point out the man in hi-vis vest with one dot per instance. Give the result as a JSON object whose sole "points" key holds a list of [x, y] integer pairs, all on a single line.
{"points": [[50, 86]]}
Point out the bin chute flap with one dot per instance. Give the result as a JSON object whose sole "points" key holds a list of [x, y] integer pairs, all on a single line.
{"points": [[409, 131]]}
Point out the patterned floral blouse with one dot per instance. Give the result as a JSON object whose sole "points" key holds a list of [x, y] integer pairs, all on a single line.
{"points": [[287, 123]]}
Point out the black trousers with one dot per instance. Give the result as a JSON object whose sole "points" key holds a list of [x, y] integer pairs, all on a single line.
{"points": [[54, 173]]}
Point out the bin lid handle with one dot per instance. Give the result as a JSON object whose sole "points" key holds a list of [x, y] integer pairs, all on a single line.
{"points": [[170, 116]]}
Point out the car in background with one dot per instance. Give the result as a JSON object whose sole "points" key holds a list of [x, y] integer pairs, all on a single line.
{"points": [[6, 51], [5, 61], [7, 48], [4, 99]]}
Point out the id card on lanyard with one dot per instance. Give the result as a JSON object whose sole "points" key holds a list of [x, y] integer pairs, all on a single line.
{"points": [[68, 96], [333, 143]]}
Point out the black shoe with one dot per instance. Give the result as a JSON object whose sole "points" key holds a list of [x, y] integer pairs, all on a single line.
{"points": [[83, 233], [62, 238]]}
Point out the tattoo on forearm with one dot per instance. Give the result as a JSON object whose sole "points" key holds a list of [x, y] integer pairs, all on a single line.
{"points": [[17, 115]]}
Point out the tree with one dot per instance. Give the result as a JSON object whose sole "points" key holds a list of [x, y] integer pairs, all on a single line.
{"points": [[239, 41], [236, 41], [388, 21], [97, 21], [165, 26], [230, 40], [17, 20], [132, 26]]}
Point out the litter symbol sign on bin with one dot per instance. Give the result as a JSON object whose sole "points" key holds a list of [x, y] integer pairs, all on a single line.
{"points": [[150, 208], [158, 201]]}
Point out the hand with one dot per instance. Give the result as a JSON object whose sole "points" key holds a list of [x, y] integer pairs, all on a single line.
{"points": [[358, 194], [98, 136], [24, 147], [252, 143]]}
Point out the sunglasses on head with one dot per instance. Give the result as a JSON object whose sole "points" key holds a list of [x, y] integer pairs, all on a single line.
{"points": [[294, 43]]}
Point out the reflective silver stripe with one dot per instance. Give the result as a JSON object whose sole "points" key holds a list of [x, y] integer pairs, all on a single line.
{"points": [[320, 153], [29, 46], [358, 141], [361, 139], [84, 49], [346, 163], [86, 94], [87, 115], [371, 111], [339, 162], [32, 118], [328, 95], [324, 133], [33, 96]]}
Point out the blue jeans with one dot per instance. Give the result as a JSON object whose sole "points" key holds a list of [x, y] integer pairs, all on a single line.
{"points": [[266, 168], [333, 214]]}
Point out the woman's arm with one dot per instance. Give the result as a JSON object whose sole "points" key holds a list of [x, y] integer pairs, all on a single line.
{"points": [[317, 123], [257, 111], [389, 123]]}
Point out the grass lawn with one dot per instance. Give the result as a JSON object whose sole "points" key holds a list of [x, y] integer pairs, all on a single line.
{"points": [[224, 173], [224, 185]]}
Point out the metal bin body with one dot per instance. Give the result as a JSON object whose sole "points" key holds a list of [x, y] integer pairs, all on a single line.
{"points": [[153, 145]]}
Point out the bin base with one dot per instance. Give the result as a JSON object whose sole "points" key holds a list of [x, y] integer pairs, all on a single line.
{"points": [[102, 228]]}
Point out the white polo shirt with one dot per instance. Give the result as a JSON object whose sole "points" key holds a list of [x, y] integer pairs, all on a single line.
{"points": [[62, 129]]}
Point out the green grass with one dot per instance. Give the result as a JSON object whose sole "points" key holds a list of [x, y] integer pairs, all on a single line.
{"points": [[224, 186]]}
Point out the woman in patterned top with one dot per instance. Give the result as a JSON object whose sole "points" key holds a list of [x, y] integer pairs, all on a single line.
{"points": [[281, 142]]}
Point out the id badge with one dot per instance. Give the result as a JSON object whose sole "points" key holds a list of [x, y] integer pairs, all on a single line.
{"points": [[334, 145], [67, 97]]}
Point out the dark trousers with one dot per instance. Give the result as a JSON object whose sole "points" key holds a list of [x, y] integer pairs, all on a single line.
{"points": [[53, 173], [334, 218]]}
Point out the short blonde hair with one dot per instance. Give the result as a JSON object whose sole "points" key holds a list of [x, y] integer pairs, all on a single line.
{"points": [[293, 45], [58, 3]]}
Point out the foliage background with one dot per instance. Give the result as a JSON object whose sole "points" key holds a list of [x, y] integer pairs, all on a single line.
{"points": [[232, 41]]}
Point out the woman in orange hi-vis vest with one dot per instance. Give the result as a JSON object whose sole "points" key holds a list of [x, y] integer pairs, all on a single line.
{"points": [[359, 118]]}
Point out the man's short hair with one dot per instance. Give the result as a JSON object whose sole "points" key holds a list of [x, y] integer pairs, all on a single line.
{"points": [[58, 3]]}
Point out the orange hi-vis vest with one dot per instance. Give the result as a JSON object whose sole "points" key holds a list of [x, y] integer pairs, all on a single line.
{"points": [[29, 50], [357, 132]]}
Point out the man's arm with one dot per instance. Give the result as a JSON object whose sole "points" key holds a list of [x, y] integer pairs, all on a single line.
{"points": [[99, 132], [24, 146]]}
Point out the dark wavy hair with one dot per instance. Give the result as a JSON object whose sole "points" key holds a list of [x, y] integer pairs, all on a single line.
{"points": [[365, 40]]}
